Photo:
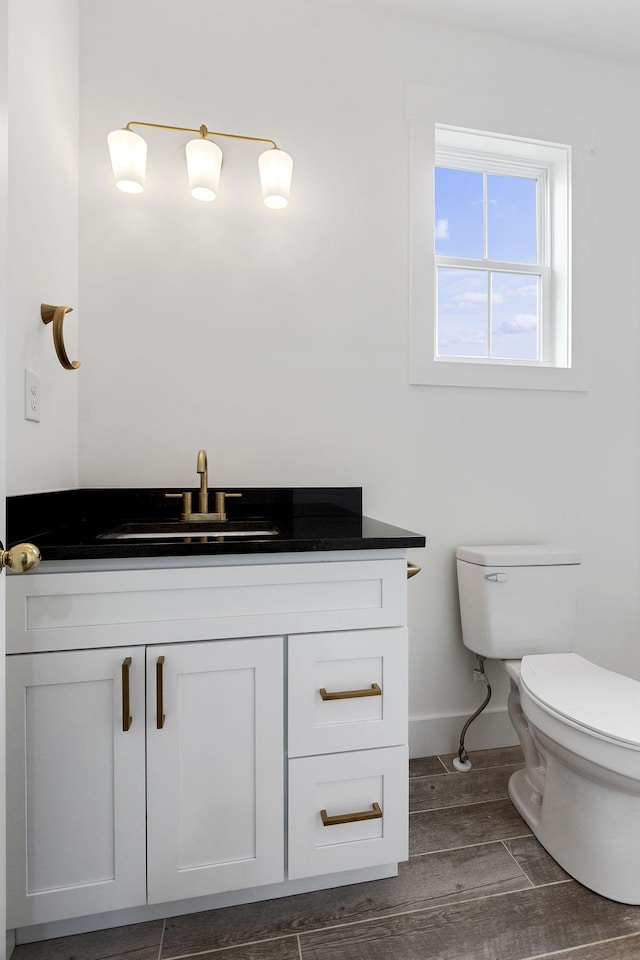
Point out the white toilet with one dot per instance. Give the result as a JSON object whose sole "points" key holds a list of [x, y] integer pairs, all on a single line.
{"points": [[578, 724]]}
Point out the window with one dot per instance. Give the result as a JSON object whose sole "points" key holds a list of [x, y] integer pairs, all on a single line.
{"points": [[500, 246], [499, 215]]}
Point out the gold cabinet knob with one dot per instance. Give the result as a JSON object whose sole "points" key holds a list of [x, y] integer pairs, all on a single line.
{"points": [[22, 558]]}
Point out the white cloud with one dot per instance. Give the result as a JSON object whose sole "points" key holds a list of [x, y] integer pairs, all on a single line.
{"points": [[467, 339], [471, 296], [519, 323], [530, 290], [442, 230]]}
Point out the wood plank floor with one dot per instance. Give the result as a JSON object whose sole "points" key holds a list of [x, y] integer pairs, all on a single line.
{"points": [[477, 886]]}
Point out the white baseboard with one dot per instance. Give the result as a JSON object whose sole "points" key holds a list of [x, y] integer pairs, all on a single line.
{"points": [[11, 943], [429, 736]]}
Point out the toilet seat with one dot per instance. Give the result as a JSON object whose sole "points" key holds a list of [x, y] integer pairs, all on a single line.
{"points": [[585, 695]]}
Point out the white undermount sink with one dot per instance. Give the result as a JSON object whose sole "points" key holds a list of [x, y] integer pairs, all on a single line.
{"points": [[176, 530]]}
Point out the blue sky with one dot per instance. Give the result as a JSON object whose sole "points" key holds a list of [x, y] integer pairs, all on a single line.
{"points": [[465, 296]]}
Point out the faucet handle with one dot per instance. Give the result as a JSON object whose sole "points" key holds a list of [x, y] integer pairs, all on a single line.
{"points": [[221, 496], [186, 503]]}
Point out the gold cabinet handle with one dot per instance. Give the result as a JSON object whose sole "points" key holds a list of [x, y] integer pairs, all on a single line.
{"points": [[373, 691], [21, 558], [159, 694], [374, 814], [127, 720], [412, 569], [56, 315]]}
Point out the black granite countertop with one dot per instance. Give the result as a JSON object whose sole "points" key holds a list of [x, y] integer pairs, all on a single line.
{"points": [[69, 525]]}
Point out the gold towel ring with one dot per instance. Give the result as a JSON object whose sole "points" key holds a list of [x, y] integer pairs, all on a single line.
{"points": [[56, 314]]}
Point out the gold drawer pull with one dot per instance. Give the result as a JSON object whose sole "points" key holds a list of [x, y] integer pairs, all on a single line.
{"points": [[374, 814], [373, 691], [412, 569], [126, 719]]}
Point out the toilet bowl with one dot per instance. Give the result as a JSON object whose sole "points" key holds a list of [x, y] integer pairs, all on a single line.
{"points": [[578, 724]]}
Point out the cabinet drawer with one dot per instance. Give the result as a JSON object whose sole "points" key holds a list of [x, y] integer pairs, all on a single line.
{"points": [[344, 789], [347, 691], [95, 609]]}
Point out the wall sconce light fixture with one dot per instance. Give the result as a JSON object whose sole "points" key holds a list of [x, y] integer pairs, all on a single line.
{"points": [[128, 151]]}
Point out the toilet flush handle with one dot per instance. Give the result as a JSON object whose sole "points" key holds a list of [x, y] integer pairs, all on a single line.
{"points": [[497, 577]]}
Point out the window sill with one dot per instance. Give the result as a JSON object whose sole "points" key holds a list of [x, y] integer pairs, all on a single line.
{"points": [[449, 373]]}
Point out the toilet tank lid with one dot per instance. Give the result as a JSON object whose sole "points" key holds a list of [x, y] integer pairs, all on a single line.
{"points": [[519, 555]]}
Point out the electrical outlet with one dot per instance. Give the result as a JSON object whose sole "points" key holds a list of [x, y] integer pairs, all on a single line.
{"points": [[31, 396]]}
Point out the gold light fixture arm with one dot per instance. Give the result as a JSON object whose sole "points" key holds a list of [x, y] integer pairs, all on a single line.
{"points": [[56, 315], [202, 130]]}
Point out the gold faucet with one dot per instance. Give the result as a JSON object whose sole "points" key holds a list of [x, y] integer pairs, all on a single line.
{"points": [[203, 514], [201, 468]]}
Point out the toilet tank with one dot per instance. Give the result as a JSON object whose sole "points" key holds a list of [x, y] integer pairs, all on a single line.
{"points": [[518, 599]]}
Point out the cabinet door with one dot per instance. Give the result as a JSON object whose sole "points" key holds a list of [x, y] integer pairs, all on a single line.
{"points": [[215, 818], [76, 784]]}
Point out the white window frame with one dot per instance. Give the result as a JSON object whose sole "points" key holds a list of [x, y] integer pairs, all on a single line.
{"points": [[449, 125], [492, 162]]}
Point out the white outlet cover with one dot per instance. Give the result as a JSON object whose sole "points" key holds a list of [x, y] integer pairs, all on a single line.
{"points": [[31, 396]]}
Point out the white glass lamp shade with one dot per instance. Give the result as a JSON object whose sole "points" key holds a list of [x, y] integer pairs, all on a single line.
{"points": [[128, 151], [204, 162], [275, 168]]}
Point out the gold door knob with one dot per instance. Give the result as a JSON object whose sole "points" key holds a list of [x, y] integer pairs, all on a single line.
{"points": [[22, 558]]}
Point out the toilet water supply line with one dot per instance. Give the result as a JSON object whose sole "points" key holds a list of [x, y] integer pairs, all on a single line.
{"points": [[462, 763]]}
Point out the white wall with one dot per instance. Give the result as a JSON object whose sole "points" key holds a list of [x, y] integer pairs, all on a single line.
{"points": [[278, 340], [43, 239]]}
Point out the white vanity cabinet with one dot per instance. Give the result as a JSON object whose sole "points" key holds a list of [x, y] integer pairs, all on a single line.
{"points": [[233, 675]]}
